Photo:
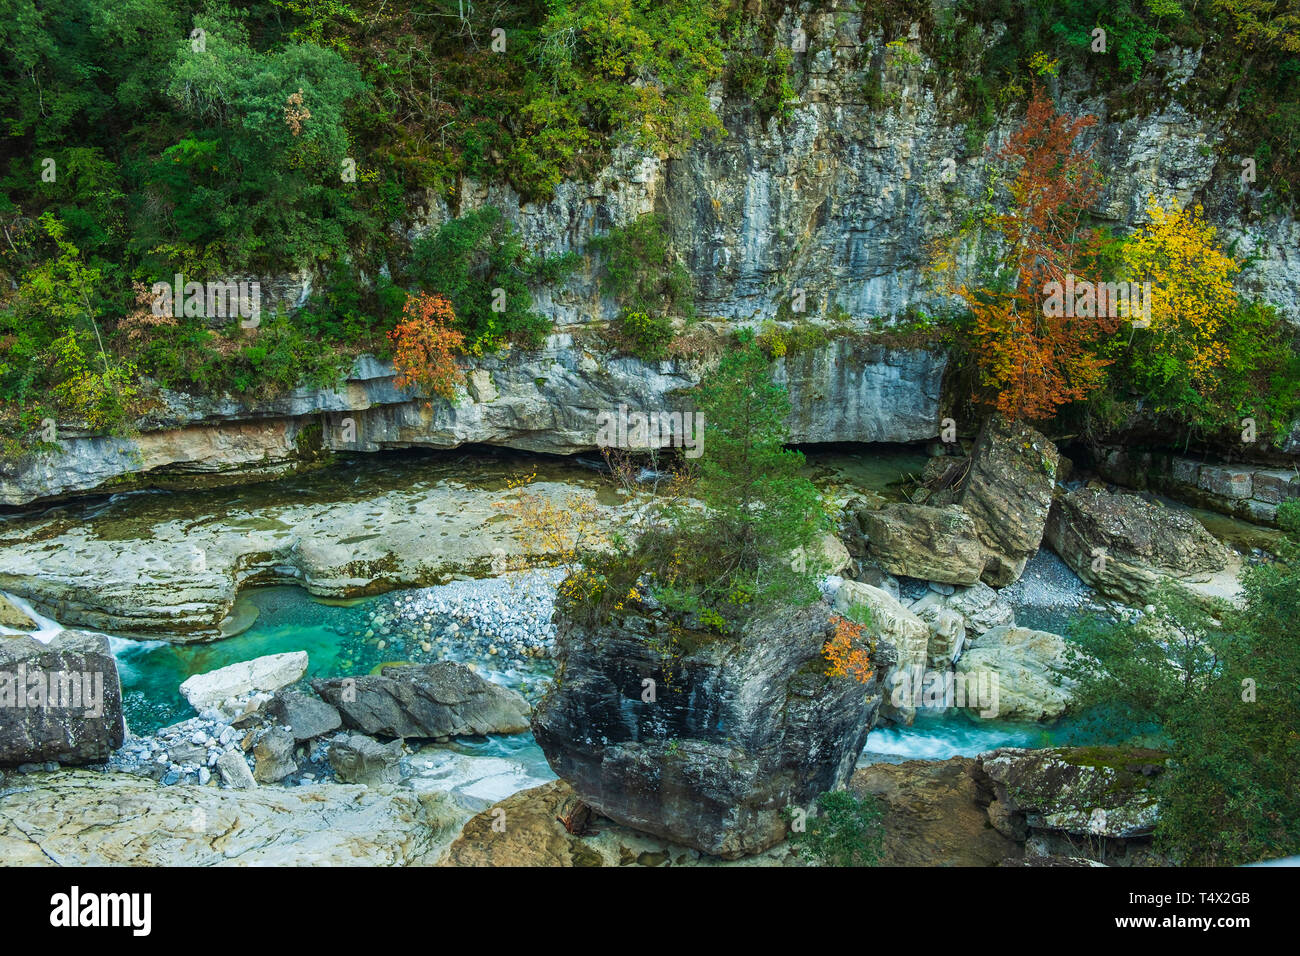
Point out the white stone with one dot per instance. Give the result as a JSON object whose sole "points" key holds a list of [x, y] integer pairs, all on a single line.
{"points": [[268, 673]]}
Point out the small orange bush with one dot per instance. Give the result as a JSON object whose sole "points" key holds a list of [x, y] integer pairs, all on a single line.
{"points": [[845, 652]]}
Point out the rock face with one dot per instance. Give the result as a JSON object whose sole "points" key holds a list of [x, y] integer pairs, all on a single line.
{"points": [[1008, 493], [1250, 492], [933, 814], [841, 201], [262, 674], [546, 400], [1026, 669], [734, 732], [434, 700], [1127, 548], [59, 701], [306, 717], [83, 818], [361, 759], [934, 544], [1072, 793]]}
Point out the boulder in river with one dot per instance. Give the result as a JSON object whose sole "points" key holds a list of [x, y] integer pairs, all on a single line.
{"points": [[361, 759], [264, 674], [1008, 493], [434, 700], [935, 544], [59, 701], [1128, 548], [1024, 670], [702, 739], [305, 716], [1054, 797]]}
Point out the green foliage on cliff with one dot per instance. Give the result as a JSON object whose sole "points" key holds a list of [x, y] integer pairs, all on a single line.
{"points": [[292, 133], [479, 263], [1225, 689]]}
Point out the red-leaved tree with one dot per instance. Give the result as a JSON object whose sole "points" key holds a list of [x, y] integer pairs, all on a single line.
{"points": [[425, 345], [1033, 359]]}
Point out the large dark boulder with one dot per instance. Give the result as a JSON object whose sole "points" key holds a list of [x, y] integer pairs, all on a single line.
{"points": [[731, 732], [59, 701], [433, 700]]}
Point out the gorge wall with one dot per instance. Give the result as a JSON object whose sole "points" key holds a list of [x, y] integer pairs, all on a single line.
{"points": [[841, 200]]}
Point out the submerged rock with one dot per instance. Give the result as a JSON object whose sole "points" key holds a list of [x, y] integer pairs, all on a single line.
{"points": [[701, 739], [264, 674], [59, 701], [435, 700]]}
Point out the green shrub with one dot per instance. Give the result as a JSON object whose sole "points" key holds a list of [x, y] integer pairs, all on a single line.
{"points": [[844, 831]]}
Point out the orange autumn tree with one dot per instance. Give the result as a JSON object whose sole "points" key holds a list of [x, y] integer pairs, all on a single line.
{"points": [[844, 651], [424, 346], [1034, 359]]}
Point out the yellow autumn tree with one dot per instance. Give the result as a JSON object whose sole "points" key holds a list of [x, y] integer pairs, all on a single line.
{"points": [[1178, 357]]}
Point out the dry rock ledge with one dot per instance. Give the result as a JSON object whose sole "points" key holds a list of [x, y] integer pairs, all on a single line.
{"points": [[89, 818]]}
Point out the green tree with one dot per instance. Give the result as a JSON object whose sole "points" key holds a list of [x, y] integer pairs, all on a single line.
{"points": [[742, 555], [1224, 686]]}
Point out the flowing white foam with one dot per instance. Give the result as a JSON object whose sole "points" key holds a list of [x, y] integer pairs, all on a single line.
{"points": [[45, 628]]}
